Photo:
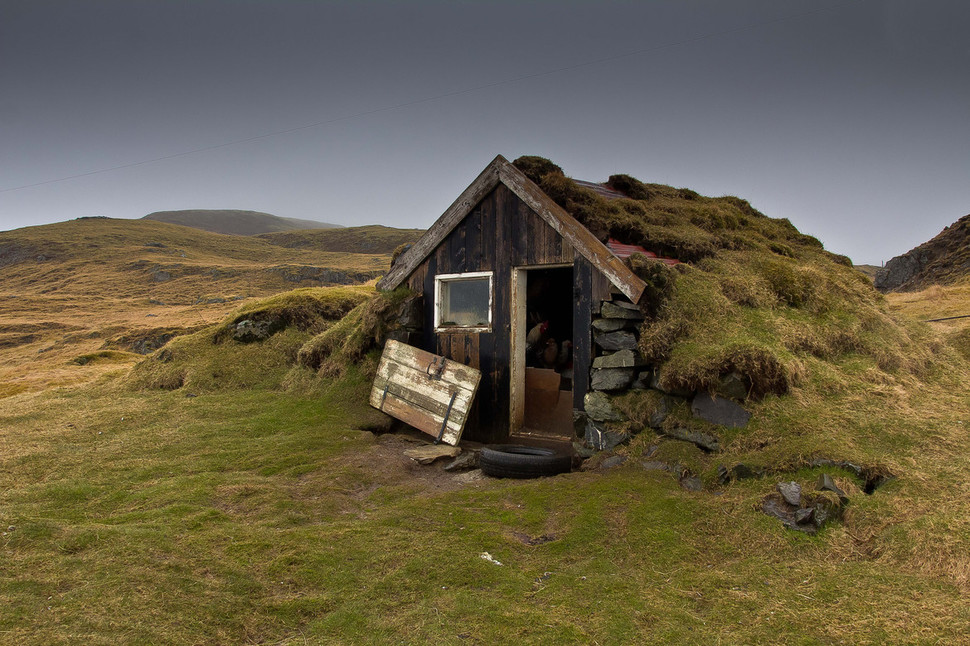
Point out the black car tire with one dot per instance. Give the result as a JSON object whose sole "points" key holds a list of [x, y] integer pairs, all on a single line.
{"points": [[514, 461]]}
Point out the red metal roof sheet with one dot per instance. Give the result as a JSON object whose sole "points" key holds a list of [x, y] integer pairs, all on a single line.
{"points": [[623, 251]]}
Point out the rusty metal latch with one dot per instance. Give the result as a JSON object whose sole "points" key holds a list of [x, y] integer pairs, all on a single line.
{"points": [[444, 422], [435, 368]]}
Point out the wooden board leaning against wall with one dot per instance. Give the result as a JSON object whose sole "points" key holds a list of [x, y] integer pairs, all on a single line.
{"points": [[427, 391]]}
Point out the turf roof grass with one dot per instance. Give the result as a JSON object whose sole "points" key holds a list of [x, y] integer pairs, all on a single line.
{"points": [[753, 294]]}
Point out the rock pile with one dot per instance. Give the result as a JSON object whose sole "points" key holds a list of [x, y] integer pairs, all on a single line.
{"points": [[806, 512], [619, 368]]}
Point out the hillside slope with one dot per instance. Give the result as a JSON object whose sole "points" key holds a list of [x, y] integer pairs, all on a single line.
{"points": [[95, 285], [234, 222], [944, 260], [366, 239]]}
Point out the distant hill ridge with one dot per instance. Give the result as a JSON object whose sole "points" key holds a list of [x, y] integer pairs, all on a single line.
{"points": [[372, 238], [235, 222], [943, 260]]}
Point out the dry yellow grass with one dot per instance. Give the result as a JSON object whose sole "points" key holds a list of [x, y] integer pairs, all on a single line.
{"points": [[71, 289]]}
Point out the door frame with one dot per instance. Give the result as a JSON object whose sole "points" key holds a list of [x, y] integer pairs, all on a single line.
{"points": [[517, 333]]}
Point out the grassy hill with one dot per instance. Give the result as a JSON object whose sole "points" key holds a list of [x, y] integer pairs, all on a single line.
{"points": [[234, 221], [225, 492], [98, 285], [367, 239]]}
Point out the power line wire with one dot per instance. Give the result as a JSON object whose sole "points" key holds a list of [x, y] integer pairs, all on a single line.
{"points": [[445, 95]]}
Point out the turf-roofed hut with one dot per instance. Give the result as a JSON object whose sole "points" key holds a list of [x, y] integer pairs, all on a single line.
{"points": [[511, 285]]}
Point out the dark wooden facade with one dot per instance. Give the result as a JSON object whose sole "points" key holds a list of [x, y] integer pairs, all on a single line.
{"points": [[503, 223], [501, 233]]}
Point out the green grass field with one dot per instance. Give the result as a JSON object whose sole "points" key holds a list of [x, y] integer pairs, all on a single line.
{"points": [[253, 510]]}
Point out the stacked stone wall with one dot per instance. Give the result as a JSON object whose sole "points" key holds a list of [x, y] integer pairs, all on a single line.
{"points": [[618, 368]]}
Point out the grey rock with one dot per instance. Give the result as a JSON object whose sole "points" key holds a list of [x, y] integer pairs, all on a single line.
{"points": [[615, 310], [718, 410], [612, 325], [579, 422], [791, 492], [621, 340], [157, 245], [620, 359], [691, 483], [599, 437], [901, 269], [612, 461], [773, 505], [656, 465], [664, 408], [249, 330], [465, 461], [826, 483], [599, 407], [583, 451], [160, 276], [612, 378], [805, 515], [642, 381], [733, 386], [739, 471], [702, 441]]}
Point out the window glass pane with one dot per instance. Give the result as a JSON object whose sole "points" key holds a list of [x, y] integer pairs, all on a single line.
{"points": [[464, 303]]}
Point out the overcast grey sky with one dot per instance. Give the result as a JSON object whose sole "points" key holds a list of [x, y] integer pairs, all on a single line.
{"points": [[850, 118]]}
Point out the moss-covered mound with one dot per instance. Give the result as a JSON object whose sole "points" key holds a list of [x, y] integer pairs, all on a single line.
{"points": [[214, 358], [753, 295]]}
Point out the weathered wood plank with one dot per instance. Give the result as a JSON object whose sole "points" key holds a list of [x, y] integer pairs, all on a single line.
{"points": [[473, 240], [403, 378], [404, 389], [424, 400], [582, 329], [419, 419], [417, 359], [600, 289], [472, 350]]}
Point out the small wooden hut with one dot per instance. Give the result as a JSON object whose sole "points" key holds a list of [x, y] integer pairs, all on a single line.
{"points": [[507, 276]]}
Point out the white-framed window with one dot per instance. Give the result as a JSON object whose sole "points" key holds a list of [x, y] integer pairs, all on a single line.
{"points": [[463, 302]]}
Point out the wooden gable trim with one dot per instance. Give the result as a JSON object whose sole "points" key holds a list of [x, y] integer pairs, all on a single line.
{"points": [[597, 253], [501, 170]]}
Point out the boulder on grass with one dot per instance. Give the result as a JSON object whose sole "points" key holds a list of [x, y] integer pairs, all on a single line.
{"points": [[718, 410]]}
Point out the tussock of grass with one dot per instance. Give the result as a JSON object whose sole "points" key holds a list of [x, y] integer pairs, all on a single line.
{"points": [[210, 359], [307, 309], [754, 295], [346, 343]]}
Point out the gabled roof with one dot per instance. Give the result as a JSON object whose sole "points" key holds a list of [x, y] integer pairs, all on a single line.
{"points": [[501, 171]]}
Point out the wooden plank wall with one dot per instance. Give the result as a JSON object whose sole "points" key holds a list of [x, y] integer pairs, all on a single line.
{"points": [[582, 320], [499, 233]]}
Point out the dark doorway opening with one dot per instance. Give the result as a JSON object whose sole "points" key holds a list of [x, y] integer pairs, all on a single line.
{"points": [[548, 351]]}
